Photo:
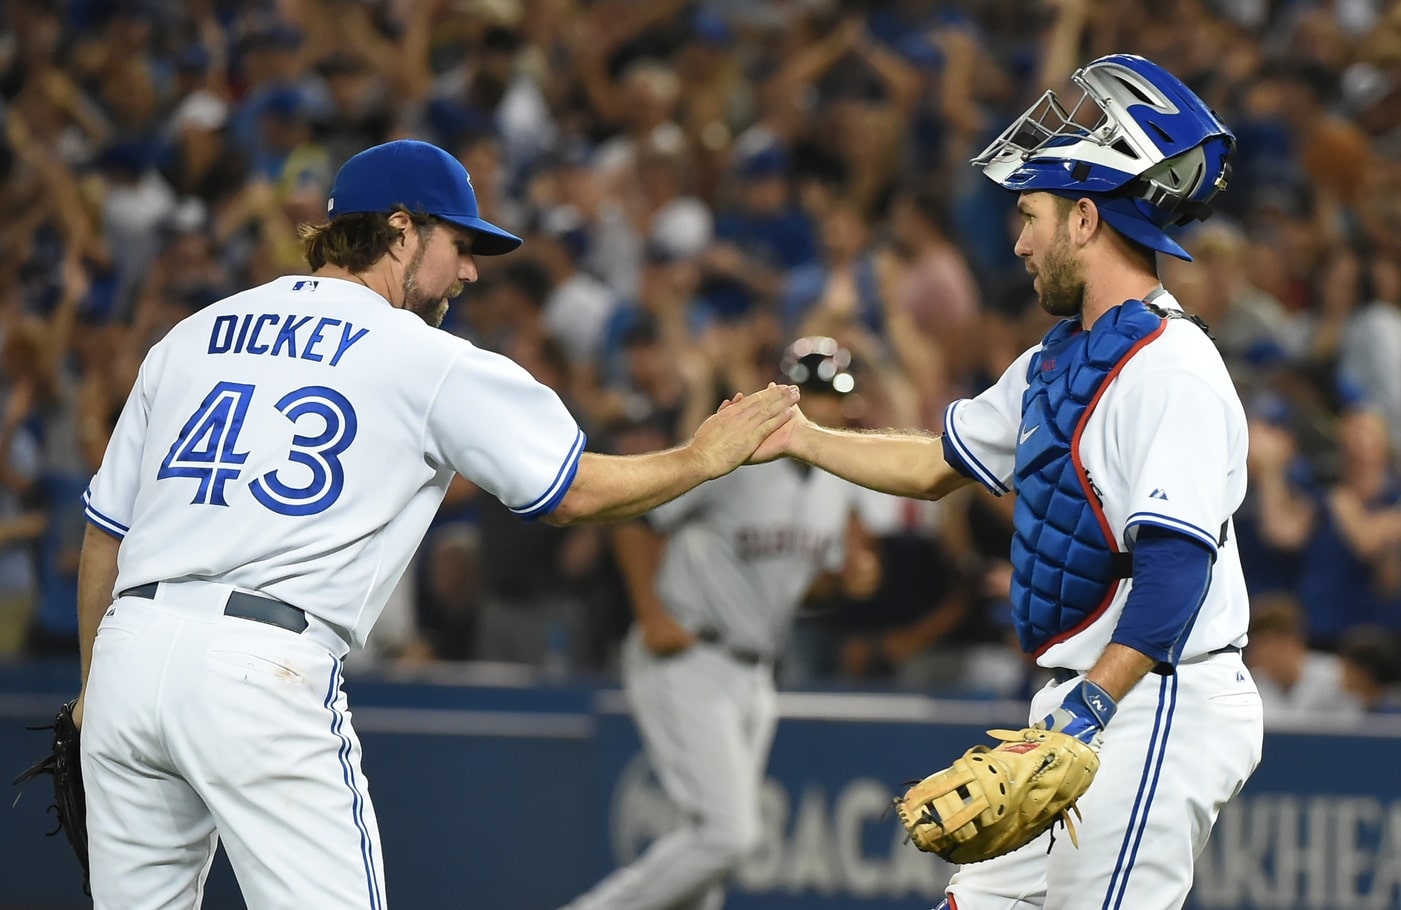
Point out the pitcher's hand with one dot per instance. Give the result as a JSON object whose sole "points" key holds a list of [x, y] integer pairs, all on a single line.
{"points": [[780, 441], [729, 437]]}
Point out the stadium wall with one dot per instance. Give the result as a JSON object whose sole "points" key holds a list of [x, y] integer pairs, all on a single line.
{"points": [[518, 797]]}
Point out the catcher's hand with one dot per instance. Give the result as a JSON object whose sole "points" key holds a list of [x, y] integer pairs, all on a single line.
{"points": [[64, 763], [992, 801]]}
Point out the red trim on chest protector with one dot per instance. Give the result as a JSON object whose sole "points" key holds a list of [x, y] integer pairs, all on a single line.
{"points": [[1091, 497]]}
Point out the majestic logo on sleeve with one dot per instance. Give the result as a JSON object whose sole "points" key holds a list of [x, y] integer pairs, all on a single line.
{"points": [[1158, 493]]}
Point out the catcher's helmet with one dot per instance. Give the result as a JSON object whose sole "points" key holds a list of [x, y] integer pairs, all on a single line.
{"points": [[422, 178], [818, 364], [1153, 157]]}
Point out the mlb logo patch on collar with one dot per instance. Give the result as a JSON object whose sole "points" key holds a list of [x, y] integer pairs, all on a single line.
{"points": [[305, 284]]}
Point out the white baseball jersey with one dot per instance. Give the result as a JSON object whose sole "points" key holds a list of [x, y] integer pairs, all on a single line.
{"points": [[297, 439], [1166, 446]]}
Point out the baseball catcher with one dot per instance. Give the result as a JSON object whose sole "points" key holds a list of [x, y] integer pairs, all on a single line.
{"points": [[993, 800], [65, 765]]}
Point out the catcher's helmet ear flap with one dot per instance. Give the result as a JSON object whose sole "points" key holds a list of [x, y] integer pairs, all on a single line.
{"points": [[819, 364], [1136, 131]]}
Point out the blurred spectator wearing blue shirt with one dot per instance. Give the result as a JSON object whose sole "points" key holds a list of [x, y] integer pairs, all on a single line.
{"points": [[1344, 538], [287, 155], [763, 236], [846, 281], [267, 63]]}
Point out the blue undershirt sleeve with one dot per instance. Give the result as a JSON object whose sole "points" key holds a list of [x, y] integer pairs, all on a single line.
{"points": [[1171, 572]]}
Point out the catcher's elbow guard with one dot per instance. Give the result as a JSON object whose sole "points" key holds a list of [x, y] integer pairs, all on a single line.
{"points": [[992, 801]]}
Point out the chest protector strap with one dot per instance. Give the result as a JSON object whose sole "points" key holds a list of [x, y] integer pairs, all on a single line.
{"points": [[1066, 561]]}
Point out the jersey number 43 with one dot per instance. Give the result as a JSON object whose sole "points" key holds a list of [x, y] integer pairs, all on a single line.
{"points": [[207, 448]]}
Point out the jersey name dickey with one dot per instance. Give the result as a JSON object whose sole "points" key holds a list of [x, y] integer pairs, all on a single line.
{"points": [[284, 335]]}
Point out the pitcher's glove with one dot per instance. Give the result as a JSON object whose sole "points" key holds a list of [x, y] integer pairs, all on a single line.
{"points": [[65, 765], [992, 801]]}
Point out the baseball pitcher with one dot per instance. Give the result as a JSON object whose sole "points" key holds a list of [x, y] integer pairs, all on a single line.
{"points": [[275, 466]]}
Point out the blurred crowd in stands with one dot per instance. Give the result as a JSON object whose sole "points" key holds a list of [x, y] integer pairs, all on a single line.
{"points": [[699, 182]]}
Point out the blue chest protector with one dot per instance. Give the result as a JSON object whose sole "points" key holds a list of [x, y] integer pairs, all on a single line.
{"points": [[1066, 564]]}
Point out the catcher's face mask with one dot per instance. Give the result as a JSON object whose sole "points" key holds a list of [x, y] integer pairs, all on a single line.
{"points": [[1135, 131]]}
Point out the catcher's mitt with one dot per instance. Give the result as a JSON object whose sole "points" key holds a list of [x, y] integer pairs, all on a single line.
{"points": [[992, 801], [70, 802]]}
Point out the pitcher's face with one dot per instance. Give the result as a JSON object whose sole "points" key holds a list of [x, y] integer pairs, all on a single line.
{"points": [[438, 269]]}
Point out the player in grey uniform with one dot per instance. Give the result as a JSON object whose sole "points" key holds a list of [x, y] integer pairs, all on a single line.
{"points": [[716, 578]]}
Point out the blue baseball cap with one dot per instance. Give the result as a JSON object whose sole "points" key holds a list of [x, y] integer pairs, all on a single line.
{"points": [[422, 178]]}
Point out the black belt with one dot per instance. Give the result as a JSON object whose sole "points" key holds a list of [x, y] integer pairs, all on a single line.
{"points": [[743, 655], [1065, 674], [244, 606]]}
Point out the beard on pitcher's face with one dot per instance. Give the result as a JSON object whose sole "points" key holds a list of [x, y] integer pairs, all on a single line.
{"points": [[431, 307], [431, 311], [1060, 282]]}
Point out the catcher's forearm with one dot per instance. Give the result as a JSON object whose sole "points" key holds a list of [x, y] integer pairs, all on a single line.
{"points": [[902, 463], [1119, 669], [97, 577]]}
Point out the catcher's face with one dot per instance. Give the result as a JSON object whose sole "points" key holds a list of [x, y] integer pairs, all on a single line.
{"points": [[1044, 245]]}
